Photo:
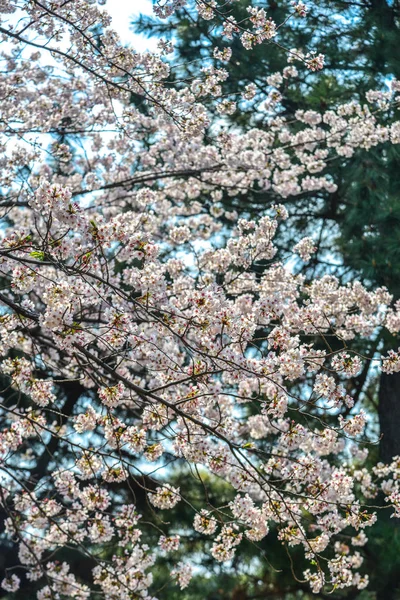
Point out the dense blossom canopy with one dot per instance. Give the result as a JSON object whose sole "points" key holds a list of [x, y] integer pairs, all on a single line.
{"points": [[143, 324]]}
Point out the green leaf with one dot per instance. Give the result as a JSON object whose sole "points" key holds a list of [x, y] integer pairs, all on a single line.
{"points": [[38, 255]]}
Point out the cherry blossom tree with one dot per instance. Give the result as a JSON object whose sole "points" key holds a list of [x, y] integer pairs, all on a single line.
{"points": [[139, 332]]}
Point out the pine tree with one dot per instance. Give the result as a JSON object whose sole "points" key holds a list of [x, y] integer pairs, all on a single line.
{"points": [[356, 227]]}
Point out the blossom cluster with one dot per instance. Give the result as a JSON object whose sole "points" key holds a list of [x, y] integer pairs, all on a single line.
{"points": [[170, 371], [145, 325]]}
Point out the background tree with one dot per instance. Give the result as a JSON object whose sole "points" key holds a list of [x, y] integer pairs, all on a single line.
{"points": [[356, 228]]}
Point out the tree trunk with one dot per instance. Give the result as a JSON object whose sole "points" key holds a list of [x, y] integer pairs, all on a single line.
{"points": [[389, 416]]}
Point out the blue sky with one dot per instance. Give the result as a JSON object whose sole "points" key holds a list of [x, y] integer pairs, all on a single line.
{"points": [[122, 12]]}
